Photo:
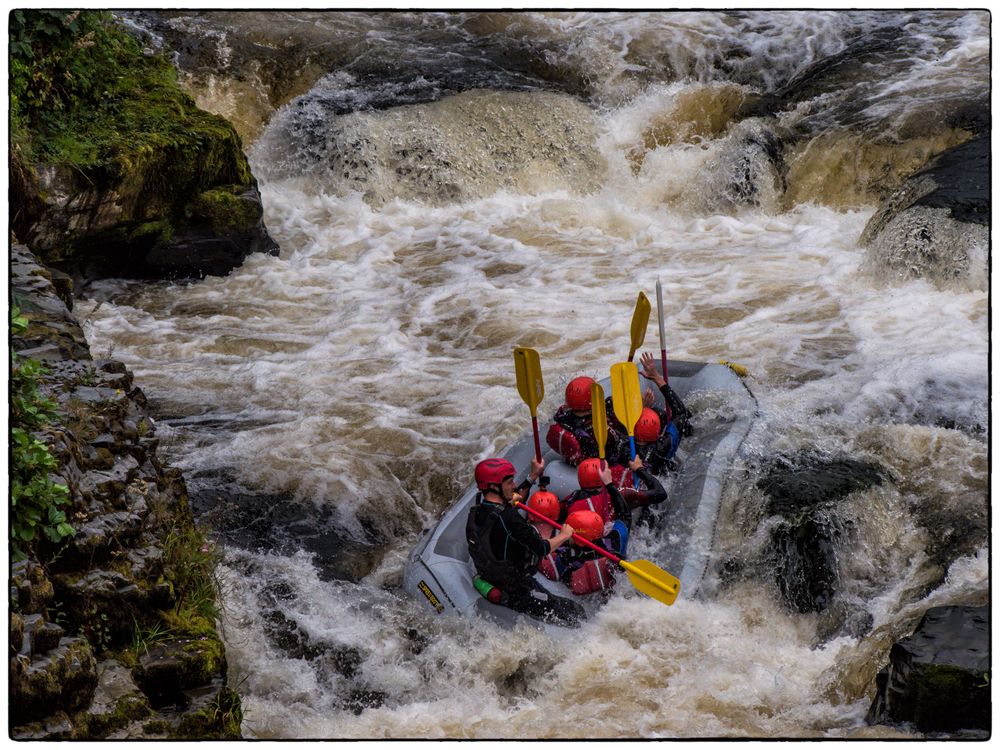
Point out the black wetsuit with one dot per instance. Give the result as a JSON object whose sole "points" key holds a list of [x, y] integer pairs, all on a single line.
{"points": [[506, 550]]}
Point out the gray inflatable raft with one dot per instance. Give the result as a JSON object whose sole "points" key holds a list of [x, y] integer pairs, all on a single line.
{"points": [[439, 571]]}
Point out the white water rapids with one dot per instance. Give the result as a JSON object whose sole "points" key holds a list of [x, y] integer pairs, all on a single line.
{"points": [[369, 366]]}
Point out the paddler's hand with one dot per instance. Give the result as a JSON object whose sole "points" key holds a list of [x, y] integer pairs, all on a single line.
{"points": [[647, 397], [564, 535], [649, 370], [605, 473], [537, 467], [635, 464]]}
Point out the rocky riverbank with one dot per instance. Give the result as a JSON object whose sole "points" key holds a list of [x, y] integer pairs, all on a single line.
{"points": [[112, 632]]}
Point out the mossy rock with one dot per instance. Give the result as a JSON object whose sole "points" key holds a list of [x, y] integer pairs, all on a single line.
{"points": [[128, 709], [65, 679], [109, 180], [220, 718], [170, 668], [229, 209], [16, 633]]}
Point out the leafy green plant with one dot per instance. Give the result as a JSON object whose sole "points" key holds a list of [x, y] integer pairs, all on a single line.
{"points": [[35, 499], [189, 561]]}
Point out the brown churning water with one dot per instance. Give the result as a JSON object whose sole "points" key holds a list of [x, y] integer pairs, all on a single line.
{"points": [[539, 171]]}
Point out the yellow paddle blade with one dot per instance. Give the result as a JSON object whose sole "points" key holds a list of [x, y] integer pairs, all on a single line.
{"points": [[626, 396], [652, 581], [529, 377], [598, 417], [640, 319]]}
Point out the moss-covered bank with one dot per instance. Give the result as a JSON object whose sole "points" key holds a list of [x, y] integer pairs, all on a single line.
{"points": [[114, 170]]}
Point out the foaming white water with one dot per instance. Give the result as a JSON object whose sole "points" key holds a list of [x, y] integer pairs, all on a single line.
{"points": [[638, 669], [616, 50], [370, 364]]}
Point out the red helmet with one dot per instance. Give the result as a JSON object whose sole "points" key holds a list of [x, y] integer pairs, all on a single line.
{"points": [[578, 393], [587, 524], [647, 428], [493, 471], [545, 503], [588, 473]]}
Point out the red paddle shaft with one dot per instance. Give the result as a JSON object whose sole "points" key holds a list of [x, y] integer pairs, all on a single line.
{"points": [[663, 360], [576, 537], [538, 445]]}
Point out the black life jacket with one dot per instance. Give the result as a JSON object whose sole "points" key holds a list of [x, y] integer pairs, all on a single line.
{"points": [[505, 574]]}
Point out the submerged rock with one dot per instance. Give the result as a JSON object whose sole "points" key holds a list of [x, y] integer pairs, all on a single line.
{"points": [[803, 491], [936, 225], [260, 521], [938, 678]]}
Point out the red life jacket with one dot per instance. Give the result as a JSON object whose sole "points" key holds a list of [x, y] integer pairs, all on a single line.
{"points": [[565, 443], [549, 567], [592, 576], [598, 502]]}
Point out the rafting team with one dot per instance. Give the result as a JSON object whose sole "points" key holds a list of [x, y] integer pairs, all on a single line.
{"points": [[508, 550]]}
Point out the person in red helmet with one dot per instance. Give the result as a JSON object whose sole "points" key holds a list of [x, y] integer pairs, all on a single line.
{"points": [[675, 418], [546, 503], [656, 440], [507, 550], [571, 433], [599, 513], [595, 495]]}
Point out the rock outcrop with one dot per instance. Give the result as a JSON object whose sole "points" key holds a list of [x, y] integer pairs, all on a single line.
{"points": [[205, 225], [936, 225], [114, 169], [116, 623], [938, 678], [804, 490]]}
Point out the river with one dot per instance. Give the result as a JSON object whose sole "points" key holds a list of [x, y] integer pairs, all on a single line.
{"points": [[455, 185]]}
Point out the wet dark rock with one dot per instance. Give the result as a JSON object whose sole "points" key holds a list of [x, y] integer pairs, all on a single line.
{"points": [[938, 678], [32, 586], [214, 710], [178, 210], [97, 538], [53, 332], [45, 636], [56, 727], [117, 702], [16, 633], [110, 581], [803, 490], [936, 225], [202, 250], [170, 669], [285, 634], [281, 523]]}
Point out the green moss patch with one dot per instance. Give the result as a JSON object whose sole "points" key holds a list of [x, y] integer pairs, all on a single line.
{"points": [[227, 211], [220, 719]]}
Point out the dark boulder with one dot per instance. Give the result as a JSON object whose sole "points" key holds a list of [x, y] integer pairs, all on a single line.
{"points": [[936, 225], [938, 678], [242, 518], [803, 491]]}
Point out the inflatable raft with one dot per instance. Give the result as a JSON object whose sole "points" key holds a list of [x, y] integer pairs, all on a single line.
{"points": [[680, 532]]}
